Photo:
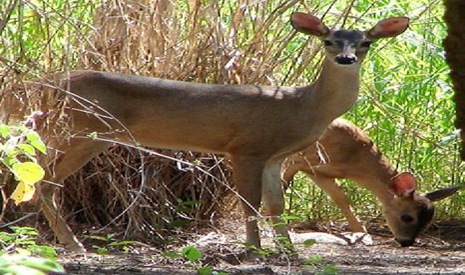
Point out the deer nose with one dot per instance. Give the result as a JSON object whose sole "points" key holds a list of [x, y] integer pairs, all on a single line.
{"points": [[405, 243], [345, 59]]}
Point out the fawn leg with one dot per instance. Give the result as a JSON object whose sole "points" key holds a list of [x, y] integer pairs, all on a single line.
{"points": [[287, 173], [335, 192]]}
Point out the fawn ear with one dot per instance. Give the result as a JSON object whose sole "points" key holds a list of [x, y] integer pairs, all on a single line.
{"points": [[442, 193], [403, 185], [308, 24], [389, 27]]}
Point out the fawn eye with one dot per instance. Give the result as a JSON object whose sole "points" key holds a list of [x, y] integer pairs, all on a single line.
{"points": [[366, 44], [328, 43], [406, 218]]}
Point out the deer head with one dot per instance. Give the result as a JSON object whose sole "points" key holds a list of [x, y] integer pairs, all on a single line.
{"points": [[347, 47], [410, 213]]}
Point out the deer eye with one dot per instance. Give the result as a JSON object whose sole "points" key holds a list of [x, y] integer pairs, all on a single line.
{"points": [[328, 43], [365, 44], [406, 218]]}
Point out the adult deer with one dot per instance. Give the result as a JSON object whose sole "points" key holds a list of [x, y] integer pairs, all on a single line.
{"points": [[255, 126], [345, 152]]}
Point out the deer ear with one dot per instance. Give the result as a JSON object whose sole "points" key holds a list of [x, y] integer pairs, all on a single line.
{"points": [[389, 27], [308, 24], [403, 185], [442, 193]]}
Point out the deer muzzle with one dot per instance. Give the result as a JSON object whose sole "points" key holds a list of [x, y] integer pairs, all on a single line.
{"points": [[345, 59], [405, 243]]}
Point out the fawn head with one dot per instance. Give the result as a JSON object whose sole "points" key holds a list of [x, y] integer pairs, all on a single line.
{"points": [[347, 47], [410, 213]]}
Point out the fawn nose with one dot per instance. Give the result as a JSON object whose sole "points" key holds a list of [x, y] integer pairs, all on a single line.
{"points": [[405, 243], [345, 59]]}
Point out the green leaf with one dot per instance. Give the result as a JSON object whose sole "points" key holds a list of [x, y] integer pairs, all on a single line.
{"points": [[43, 251], [28, 149], [47, 265], [7, 237], [43, 264], [27, 242], [25, 230], [330, 270], [20, 270], [92, 135], [10, 161], [28, 172], [35, 140], [101, 250], [309, 242], [4, 130], [205, 270], [191, 253], [22, 129], [314, 259], [190, 203], [96, 237]]}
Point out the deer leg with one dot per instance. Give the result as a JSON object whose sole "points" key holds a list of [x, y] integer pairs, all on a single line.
{"points": [[273, 198], [76, 155], [247, 176], [335, 192]]}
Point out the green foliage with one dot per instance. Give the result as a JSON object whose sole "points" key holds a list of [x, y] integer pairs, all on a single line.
{"points": [[187, 206], [192, 256], [328, 269], [22, 264], [191, 253], [18, 146], [18, 150], [23, 240], [38, 33], [23, 251], [309, 242], [318, 263], [110, 244]]}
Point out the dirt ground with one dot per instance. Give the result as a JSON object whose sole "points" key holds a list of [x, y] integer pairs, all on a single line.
{"points": [[441, 251]]}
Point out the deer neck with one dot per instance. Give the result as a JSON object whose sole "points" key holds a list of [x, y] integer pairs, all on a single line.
{"points": [[336, 89], [378, 181]]}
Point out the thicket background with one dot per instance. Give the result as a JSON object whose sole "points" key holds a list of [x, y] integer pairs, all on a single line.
{"points": [[405, 103]]}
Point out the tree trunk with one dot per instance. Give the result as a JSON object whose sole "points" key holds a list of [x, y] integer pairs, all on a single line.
{"points": [[454, 44]]}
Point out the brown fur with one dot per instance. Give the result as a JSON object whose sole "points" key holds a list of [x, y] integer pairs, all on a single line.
{"points": [[454, 45], [344, 151]]}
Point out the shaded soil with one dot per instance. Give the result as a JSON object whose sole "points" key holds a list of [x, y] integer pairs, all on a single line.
{"points": [[442, 251]]}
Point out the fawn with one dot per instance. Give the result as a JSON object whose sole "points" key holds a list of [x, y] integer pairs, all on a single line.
{"points": [[345, 152]]}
